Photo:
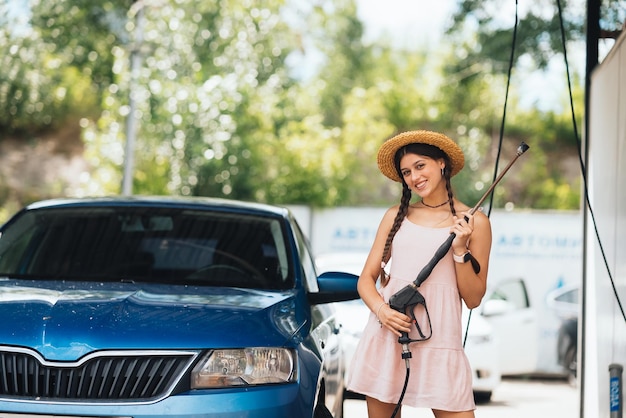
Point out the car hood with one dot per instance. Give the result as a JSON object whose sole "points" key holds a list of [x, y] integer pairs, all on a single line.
{"points": [[65, 320]]}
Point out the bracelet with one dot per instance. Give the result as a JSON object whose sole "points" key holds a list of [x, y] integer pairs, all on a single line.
{"points": [[378, 311], [463, 258]]}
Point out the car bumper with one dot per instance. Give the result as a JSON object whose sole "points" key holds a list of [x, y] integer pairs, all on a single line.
{"points": [[484, 380], [486, 375], [272, 401]]}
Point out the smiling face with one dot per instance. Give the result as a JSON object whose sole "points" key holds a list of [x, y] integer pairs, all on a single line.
{"points": [[422, 174]]}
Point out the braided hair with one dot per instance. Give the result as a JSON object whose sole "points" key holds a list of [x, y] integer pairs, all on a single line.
{"points": [[427, 151]]}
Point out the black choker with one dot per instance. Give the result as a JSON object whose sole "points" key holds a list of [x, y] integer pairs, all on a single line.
{"points": [[436, 206]]}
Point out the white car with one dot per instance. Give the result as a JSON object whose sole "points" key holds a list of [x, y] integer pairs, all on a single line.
{"points": [[481, 347]]}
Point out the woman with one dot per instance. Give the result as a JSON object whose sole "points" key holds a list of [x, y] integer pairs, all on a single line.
{"points": [[408, 235]]}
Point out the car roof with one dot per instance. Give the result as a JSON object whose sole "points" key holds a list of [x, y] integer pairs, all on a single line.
{"points": [[188, 202]]}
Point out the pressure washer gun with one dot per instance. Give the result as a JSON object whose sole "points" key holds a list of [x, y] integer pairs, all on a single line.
{"points": [[409, 297]]}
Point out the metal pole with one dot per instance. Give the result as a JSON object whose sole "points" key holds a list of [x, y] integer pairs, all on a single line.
{"points": [[615, 390], [131, 119], [592, 38]]}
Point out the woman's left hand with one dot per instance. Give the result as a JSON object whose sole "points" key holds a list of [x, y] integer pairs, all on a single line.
{"points": [[462, 228]]}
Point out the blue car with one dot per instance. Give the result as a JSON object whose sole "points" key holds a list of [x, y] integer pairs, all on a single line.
{"points": [[150, 307]]}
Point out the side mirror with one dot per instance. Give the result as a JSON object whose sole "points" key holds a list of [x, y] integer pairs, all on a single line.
{"points": [[494, 307], [335, 287]]}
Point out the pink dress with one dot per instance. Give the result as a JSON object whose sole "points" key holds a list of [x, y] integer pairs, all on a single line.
{"points": [[440, 374]]}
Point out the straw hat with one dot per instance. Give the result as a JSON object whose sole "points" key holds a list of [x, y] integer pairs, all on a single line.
{"points": [[387, 151]]}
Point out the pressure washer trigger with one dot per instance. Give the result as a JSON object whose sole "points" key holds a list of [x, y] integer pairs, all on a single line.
{"points": [[417, 325]]}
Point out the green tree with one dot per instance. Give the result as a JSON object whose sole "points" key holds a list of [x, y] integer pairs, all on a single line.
{"points": [[223, 110], [338, 36], [483, 32], [538, 29], [37, 90], [210, 69]]}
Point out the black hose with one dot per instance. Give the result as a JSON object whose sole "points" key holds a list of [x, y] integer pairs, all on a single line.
{"points": [[406, 384]]}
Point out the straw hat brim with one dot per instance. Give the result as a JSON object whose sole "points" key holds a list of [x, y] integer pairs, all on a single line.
{"points": [[388, 150]]}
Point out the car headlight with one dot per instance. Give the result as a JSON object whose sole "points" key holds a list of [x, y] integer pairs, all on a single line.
{"points": [[245, 366]]}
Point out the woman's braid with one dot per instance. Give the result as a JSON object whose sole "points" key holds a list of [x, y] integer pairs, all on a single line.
{"points": [[446, 174], [402, 211]]}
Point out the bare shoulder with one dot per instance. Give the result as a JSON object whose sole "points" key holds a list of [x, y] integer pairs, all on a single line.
{"points": [[386, 224], [390, 215], [392, 212], [482, 223]]}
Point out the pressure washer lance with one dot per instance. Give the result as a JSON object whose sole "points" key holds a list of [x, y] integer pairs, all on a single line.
{"points": [[407, 298]]}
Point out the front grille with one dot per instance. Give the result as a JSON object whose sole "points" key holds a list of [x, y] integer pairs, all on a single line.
{"points": [[103, 376]]}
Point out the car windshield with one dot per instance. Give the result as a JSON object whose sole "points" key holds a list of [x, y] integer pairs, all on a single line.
{"points": [[147, 244]]}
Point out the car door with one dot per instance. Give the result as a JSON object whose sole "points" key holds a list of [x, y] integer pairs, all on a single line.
{"points": [[514, 321], [325, 330]]}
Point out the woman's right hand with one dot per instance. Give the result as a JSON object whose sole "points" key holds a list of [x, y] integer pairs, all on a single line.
{"points": [[393, 320]]}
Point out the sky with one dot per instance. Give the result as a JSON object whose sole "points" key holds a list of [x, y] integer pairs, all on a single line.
{"points": [[406, 22]]}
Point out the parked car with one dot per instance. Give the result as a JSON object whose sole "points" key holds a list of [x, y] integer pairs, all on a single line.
{"points": [[567, 348], [528, 327], [166, 307], [481, 347], [564, 301], [508, 309]]}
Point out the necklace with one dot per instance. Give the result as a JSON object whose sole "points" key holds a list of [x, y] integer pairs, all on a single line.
{"points": [[435, 206]]}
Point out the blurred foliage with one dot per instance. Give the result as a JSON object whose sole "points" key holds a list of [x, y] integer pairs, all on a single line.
{"points": [[279, 102], [491, 22]]}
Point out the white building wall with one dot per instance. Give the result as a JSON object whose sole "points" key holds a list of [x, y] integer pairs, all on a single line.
{"points": [[604, 325]]}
